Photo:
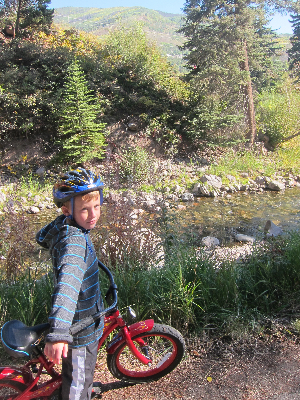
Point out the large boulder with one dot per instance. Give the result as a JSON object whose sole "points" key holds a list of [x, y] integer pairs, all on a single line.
{"points": [[276, 185], [212, 180], [272, 230]]}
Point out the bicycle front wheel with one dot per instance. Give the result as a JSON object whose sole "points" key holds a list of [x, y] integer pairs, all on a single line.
{"points": [[10, 389], [163, 345]]}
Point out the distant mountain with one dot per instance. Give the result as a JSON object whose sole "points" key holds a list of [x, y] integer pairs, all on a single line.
{"points": [[160, 27]]}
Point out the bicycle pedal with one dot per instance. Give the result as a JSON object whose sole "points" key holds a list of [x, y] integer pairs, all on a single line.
{"points": [[96, 391]]}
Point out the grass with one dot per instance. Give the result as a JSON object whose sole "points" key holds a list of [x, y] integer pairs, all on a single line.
{"points": [[188, 292], [283, 160]]}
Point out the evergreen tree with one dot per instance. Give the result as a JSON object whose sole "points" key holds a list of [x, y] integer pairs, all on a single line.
{"points": [[227, 44], [26, 16], [81, 136], [294, 52]]}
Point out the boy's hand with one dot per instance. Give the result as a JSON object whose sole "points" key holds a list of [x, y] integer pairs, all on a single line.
{"points": [[54, 351]]}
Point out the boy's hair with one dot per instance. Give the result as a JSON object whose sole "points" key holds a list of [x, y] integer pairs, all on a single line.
{"points": [[86, 197]]}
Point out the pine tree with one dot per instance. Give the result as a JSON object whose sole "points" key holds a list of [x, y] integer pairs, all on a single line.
{"points": [[294, 52], [81, 136], [227, 43], [26, 16]]}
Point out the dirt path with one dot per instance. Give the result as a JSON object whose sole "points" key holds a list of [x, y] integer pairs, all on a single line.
{"points": [[267, 367]]}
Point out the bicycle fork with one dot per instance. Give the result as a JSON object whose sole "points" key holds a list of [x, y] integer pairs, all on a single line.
{"points": [[127, 334]]}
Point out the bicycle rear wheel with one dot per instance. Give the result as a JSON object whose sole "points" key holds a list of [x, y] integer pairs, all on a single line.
{"points": [[10, 389], [165, 347]]}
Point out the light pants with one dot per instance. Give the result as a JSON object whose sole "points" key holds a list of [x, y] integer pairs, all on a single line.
{"points": [[78, 372]]}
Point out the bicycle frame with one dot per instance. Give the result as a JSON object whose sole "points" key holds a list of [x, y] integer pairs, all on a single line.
{"points": [[25, 375]]}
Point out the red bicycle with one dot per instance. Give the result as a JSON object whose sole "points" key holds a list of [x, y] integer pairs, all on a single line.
{"points": [[138, 353]]}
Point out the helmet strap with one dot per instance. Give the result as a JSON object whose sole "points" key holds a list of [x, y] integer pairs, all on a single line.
{"points": [[72, 208]]}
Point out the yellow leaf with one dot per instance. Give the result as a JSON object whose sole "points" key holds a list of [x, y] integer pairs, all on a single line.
{"points": [[209, 379]]}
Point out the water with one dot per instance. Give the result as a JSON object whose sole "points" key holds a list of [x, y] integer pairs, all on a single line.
{"points": [[247, 214], [223, 217]]}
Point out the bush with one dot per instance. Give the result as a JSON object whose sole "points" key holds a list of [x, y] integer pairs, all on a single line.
{"points": [[135, 166], [278, 113]]}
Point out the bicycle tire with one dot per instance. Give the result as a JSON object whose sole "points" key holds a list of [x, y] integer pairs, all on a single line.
{"points": [[166, 348], [10, 389]]}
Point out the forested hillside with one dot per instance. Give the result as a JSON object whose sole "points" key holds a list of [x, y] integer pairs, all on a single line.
{"points": [[160, 27]]}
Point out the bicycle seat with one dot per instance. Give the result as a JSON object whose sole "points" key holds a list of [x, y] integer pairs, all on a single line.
{"points": [[18, 339]]}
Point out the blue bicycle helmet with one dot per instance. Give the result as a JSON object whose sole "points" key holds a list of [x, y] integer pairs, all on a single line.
{"points": [[72, 183]]}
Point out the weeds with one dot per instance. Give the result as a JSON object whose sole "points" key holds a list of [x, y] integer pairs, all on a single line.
{"points": [[159, 274], [235, 162]]}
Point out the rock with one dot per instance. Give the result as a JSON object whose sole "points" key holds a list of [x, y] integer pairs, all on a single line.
{"points": [[210, 241], [132, 126], [272, 230], [113, 197], [244, 238], [244, 175], [276, 185], [181, 207], [172, 197], [212, 180], [187, 197], [204, 191], [2, 197], [177, 189], [149, 204], [40, 171], [231, 178], [260, 180], [33, 210]]}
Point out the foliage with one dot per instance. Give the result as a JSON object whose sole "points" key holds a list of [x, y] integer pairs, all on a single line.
{"points": [[26, 16], [125, 73], [81, 136], [100, 21], [294, 51], [135, 166], [27, 299], [127, 239], [278, 112], [222, 39], [129, 51], [189, 291], [233, 162], [159, 128]]}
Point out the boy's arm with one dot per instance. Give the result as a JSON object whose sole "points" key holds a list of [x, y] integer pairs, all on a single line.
{"points": [[55, 351], [71, 267]]}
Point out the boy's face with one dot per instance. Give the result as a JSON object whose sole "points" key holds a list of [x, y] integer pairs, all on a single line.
{"points": [[86, 212]]}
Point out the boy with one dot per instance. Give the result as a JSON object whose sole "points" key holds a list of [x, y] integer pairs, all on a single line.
{"points": [[76, 291]]}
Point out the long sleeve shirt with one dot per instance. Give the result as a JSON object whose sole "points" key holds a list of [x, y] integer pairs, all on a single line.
{"points": [[76, 281]]}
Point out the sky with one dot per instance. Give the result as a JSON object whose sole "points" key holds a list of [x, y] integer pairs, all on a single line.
{"points": [[279, 22]]}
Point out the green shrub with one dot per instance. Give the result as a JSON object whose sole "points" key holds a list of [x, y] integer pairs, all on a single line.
{"points": [[135, 166], [278, 113]]}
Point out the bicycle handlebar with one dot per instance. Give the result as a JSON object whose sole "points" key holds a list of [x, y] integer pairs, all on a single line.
{"points": [[111, 291]]}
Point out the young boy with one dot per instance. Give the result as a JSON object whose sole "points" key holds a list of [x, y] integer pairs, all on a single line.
{"points": [[76, 291]]}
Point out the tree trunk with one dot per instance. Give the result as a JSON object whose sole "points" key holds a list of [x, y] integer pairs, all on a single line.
{"points": [[18, 17], [249, 103]]}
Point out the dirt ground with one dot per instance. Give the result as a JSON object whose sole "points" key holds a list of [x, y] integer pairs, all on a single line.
{"points": [[260, 368]]}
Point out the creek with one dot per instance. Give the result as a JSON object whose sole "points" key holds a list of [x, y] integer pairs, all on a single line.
{"points": [[222, 217], [240, 213]]}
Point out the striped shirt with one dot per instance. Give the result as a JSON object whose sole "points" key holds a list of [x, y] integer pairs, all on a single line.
{"points": [[76, 281]]}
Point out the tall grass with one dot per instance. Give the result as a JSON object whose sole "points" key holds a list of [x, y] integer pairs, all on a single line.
{"points": [[189, 291], [27, 299], [282, 160]]}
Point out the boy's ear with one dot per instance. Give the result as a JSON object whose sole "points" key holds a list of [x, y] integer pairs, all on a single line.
{"points": [[65, 211]]}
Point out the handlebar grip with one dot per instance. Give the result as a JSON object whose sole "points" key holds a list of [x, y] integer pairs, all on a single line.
{"points": [[81, 325]]}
